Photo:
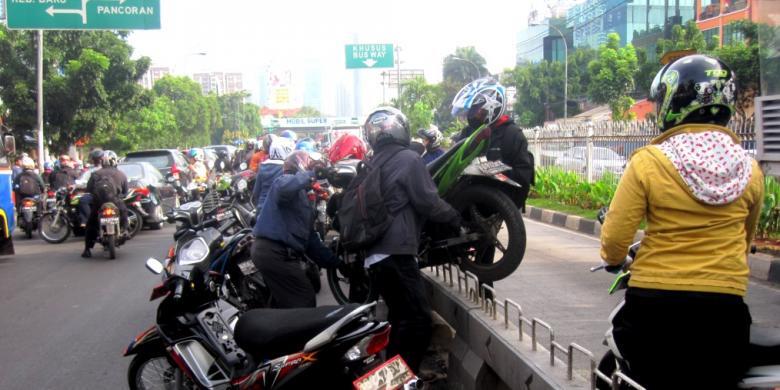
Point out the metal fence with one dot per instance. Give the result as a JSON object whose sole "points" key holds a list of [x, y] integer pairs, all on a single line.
{"points": [[601, 149]]}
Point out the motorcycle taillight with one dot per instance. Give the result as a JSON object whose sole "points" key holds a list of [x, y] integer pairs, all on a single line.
{"points": [[175, 171], [50, 194], [141, 191], [369, 345], [109, 212], [28, 203]]}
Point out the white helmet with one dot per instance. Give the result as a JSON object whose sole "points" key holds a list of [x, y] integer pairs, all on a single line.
{"points": [[280, 147], [482, 101], [28, 163]]}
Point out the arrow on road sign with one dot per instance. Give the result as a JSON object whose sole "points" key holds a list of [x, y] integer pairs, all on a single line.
{"points": [[370, 62], [83, 11]]}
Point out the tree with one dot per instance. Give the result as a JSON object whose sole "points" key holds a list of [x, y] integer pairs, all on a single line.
{"points": [[683, 38], [744, 60], [612, 76], [307, 112], [89, 81], [197, 116], [456, 74], [418, 100]]}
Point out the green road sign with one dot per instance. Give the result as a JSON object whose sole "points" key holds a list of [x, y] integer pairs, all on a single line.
{"points": [[83, 14], [369, 56]]}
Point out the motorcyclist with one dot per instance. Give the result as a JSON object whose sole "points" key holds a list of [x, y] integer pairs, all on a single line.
{"points": [[65, 175], [27, 184], [260, 155], [432, 140], [284, 232], [106, 173], [684, 323], [279, 148], [200, 173], [483, 102], [289, 134], [244, 155], [411, 197]]}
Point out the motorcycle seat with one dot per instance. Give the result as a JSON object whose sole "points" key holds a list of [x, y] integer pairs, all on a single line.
{"points": [[270, 333]]}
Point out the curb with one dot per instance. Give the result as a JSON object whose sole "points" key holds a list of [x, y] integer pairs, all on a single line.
{"points": [[762, 266]]}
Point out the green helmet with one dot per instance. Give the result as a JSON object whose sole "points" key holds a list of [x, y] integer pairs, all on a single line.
{"points": [[693, 89]]}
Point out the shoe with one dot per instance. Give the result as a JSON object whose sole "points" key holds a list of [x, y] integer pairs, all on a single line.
{"points": [[86, 254]]}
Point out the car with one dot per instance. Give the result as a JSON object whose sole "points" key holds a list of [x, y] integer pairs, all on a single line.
{"points": [[229, 150], [604, 160], [169, 162], [210, 158], [161, 192]]}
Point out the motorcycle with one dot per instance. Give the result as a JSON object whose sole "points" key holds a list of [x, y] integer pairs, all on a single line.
{"points": [[764, 355], [29, 218], [200, 340], [472, 179], [144, 209], [61, 217], [110, 234]]}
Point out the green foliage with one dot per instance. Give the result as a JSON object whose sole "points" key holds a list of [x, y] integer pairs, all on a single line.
{"points": [[456, 73], [418, 100], [683, 38], [307, 112], [612, 75], [569, 188], [769, 220]]}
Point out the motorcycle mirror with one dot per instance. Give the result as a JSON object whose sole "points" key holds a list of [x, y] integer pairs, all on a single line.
{"points": [[9, 144], [243, 166], [171, 179], [602, 215], [154, 265]]}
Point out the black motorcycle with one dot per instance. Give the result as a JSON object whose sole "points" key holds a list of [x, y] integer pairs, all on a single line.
{"points": [[29, 215], [200, 340], [61, 217]]}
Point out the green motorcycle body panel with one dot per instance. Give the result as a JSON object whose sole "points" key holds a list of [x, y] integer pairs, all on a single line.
{"points": [[446, 177]]}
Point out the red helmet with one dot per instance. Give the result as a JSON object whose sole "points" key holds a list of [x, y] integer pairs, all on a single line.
{"points": [[347, 146]]}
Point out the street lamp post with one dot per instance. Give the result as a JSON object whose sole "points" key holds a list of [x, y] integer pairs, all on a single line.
{"points": [[479, 73], [565, 68]]}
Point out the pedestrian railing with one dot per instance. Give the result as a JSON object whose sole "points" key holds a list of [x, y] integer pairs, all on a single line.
{"points": [[468, 286], [601, 149]]}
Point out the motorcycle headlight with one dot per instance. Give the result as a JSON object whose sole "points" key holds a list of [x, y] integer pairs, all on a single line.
{"points": [[241, 185], [193, 252]]}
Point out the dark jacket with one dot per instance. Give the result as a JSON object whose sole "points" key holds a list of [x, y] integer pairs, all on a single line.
{"points": [[266, 175], [120, 183], [34, 176], [431, 155], [63, 177], [288, 218], [513, 146], [411, 198]]}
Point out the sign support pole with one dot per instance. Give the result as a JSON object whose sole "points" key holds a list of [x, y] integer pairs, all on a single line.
{"points": [[40, 101]]}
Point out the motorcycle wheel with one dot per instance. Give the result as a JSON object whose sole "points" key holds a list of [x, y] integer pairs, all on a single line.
{"points": [[492, 214], [159, 218], [351, 283], [28, 230], [153, 370], [53, 236], [111, 246], [607, 366], [135, 222]]}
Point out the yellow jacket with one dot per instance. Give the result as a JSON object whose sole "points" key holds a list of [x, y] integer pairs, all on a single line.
{"points": [[701, 195]]}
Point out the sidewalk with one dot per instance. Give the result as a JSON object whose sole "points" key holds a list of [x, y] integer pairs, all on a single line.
{"points": [[762, 267]]}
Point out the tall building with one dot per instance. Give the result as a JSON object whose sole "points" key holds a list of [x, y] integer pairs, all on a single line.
{"points": [[541, 42], [220, 83], [714, 18], [152, 75], [592, 20]]}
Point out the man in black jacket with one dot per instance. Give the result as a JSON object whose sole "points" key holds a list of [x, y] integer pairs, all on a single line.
{"points": [[65, 175], [411, 198], [108, 171]]}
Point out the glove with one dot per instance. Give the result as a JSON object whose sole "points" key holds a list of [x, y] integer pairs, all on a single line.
{"points": [[319, 169]]}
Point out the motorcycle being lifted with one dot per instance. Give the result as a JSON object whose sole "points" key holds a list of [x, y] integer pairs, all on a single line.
{"points": [[470, 177]]}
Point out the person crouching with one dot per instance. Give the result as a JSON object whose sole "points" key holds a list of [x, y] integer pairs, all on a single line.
{"points": [[284, 232]]}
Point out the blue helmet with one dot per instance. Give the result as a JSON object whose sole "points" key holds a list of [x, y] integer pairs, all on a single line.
{"points": [[306, 144], [289, 134], [481, 101]]}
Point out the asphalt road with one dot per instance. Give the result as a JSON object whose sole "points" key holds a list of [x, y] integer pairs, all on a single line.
{"points": [[66, 320], [554, 284]]}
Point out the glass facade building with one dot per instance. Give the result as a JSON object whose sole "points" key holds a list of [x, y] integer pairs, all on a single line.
{"points": [[541, 42], [715, 18]]}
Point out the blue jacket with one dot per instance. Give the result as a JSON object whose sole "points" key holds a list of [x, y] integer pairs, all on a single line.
{"points": [[266, 175], [431, 155], [288, 218]]}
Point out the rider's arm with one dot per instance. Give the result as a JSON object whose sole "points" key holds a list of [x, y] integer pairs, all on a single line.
{"points": [[521, 165], [757, 185], [626, 212], [290, 185], [257, 188], [318, 252], [41, 184], [423, 194]]}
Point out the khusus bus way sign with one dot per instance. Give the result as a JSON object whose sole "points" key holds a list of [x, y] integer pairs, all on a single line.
{"points": [[369, 56], [83, 14]]}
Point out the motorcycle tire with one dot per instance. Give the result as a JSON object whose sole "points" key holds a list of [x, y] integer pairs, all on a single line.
{"points": [[28, 230], [111, 246], [481, 202], [358, 289], [167, 371], [135, 222], [46, 220], [607, 366]]}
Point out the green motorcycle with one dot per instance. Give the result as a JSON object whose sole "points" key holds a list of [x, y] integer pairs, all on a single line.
{"points": [[492, 241]]}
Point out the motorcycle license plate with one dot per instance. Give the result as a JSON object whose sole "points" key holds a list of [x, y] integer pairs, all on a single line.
{"points": [[28, 208], [392, 374], [109, 221], [493, 167]]}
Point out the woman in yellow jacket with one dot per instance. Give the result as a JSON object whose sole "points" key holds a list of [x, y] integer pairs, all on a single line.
{"points": [[684, 323]]}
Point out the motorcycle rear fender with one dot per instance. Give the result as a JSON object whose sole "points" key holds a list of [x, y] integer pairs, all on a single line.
{"points": [[511, 188], [149, 339]]}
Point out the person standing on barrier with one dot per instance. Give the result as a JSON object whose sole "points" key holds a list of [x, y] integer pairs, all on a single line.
{"points": [[684, 324], [410, 197]]}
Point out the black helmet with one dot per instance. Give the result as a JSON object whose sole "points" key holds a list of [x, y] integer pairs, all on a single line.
{"points": [[96, 156], [693, 89], [433, 135], [386, 125], [297, 161]]}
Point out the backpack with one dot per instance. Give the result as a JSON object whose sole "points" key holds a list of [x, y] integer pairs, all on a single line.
{"points": [[363, 217], [28, 185], [105, 188]]}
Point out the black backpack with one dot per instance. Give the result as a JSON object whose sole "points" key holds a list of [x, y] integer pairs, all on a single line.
{"points": [[363, 216], [105, 188], [28, 185]]}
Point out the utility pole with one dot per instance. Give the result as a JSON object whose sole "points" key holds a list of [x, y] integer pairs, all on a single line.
{"points": [[41, 159], [398, 71]]}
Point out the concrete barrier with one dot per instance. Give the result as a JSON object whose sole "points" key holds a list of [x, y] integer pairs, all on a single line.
{"points": [[497, 347]]}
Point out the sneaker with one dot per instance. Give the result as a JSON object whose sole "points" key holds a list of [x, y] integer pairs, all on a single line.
{"points": [[87, 253]]}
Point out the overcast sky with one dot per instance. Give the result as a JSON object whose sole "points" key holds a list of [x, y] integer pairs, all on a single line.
{"points": [[247, 35]]}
